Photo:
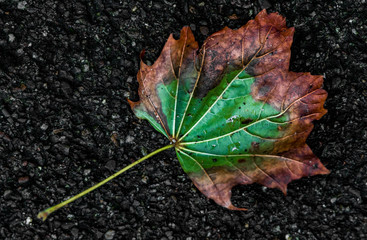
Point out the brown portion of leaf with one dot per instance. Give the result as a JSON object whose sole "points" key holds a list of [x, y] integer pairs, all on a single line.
{"points": [[175, 55], [297, 94], [272, 171], [219, 187], [245, 48]]}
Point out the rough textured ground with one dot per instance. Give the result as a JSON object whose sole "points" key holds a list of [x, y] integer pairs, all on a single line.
{"points": [[66, 69]]}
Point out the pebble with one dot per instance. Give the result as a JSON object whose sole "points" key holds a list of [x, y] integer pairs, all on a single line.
{"points": [[11, 37], [109, 234], [86, 172], [44, 127], [23, 180], [85, 68], [28, 221], [193, 27], [65, 149], [129, 139], [22, 5], [67, 225], [204, 30], [5, 112], [264, 4], [74, 232], [110, 165], [7, 194]]}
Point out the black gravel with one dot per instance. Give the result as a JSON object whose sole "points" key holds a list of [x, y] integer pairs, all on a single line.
{"points": [[66, 69]]}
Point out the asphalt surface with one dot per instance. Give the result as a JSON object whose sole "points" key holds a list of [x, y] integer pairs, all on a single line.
{"points": [[66, 69]]}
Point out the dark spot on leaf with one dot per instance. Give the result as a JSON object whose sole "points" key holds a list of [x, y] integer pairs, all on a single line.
{"points": [[246, 120], [315, 166], [214, 160], [239, 107], [198, 136], [264, 90], [255, 145], [242, 160], [310, 87]]}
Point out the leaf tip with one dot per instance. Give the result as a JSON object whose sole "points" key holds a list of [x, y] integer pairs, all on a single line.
{"points": [[231, 207], [274, 19], [141, 56], [321, 169], [132, 104]]}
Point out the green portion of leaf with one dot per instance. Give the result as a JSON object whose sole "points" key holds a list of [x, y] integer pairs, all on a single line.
{"points": [[228, 120], [167, 94], [140, 112], [231, 91]]}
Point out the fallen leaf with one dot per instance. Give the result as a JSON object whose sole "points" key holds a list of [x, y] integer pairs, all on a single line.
{"points": [[233, 110]]}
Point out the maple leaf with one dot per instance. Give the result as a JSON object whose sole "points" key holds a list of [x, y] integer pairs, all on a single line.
{"points": [[233, 111]]}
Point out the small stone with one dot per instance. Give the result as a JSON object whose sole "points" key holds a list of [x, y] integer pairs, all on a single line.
{"points": [[111, 165], [126, 94], [115, 116], [44, 127], [264, 4], [23, 180], [276, 229], [169, 234], [109, 234], [67, 226], [21, 5], [204, 30], [136, 203], [86, 172], [99, 234], [7, 194], [85, 68], [193, 27], [11, 37], [75, 232], [5, 112], [65, 149], [28, 221], [129, 139]]}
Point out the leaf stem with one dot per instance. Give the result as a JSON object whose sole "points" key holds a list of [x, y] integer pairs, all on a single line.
{"points": [[45, 213]]}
